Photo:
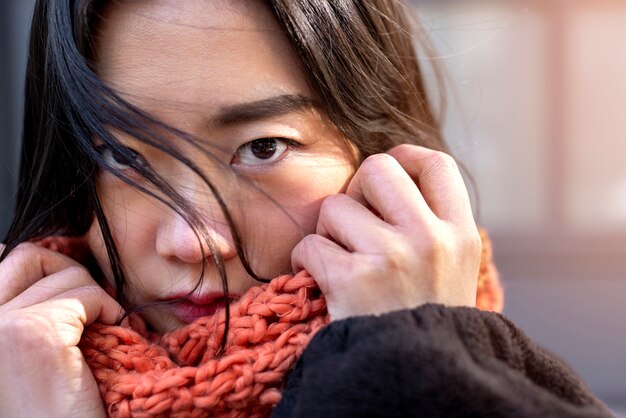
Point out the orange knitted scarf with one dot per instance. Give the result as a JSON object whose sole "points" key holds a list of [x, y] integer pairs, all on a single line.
{"points": [[179, 374]]}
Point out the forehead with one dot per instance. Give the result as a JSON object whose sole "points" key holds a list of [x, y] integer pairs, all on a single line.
{"points": [[195, 53]]}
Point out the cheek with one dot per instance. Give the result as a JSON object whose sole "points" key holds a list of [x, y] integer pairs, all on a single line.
{"points": [[273, 229], [132, 220], [131, 215], [299, 195], [309, 187]]}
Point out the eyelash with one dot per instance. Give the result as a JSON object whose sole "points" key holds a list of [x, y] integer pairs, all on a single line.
{"points": [[119, 161], [288, 144]]}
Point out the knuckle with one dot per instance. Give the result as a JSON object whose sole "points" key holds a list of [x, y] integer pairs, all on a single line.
{"points": [[27, 246], [406, 148], [359, 271], [77, 270], [22, 258], [376, 162], [80, 273], [438, 246], [440, 159], [438, 249], [25, 250], [307, 250], [303, 246], [435, 246], [330, 203], [391, 258], [91, 289], [310, 242], [397, 248], [25, 331], [396, 260]]}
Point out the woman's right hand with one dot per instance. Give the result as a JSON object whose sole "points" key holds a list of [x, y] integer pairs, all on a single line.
{"points": [[46, 300]]}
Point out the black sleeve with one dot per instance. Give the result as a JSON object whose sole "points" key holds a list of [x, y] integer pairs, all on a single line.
{"points": [[432, 361]]}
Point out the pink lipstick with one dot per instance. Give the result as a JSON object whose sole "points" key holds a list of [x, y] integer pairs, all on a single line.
{"points": [[191, 307]]}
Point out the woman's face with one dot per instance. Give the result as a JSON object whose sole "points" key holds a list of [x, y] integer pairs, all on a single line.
{"points": [[223, 72]]}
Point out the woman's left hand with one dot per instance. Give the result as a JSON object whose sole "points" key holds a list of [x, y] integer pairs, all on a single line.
{"points": [[401, 236]]}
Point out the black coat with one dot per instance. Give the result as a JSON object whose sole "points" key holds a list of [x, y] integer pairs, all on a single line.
{"points": [[432, 361]]}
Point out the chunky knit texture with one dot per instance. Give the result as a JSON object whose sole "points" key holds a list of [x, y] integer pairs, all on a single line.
{"points": [[181, 374]]}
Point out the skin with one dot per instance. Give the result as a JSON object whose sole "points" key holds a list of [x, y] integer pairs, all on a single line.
{"points": [[161, 255], [421, 245]]}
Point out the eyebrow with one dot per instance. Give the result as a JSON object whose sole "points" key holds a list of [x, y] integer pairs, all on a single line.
{"points": [[263, 109]]}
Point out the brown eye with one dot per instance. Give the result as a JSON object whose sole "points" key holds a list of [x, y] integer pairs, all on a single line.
{"points": [[264, 148], [262, 151]]}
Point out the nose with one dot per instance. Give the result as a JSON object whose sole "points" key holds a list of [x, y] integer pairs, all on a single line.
{"points": [[176, 239]]}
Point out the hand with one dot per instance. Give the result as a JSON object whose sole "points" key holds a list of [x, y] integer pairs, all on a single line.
{"points": [[402, 235], [46, 299]]}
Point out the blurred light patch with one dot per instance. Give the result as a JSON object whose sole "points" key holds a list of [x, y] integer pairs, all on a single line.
{"points": [[494, 54], [537, 111], [595, 109]]}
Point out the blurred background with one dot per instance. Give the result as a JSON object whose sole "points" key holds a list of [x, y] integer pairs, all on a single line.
{"points": [[537, 112]]}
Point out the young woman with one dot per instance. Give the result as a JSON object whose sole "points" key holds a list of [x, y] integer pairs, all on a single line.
{"points": [[195, 149]]}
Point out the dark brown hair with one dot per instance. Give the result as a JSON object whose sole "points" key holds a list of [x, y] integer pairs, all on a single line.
{"points": [[359, 58]]}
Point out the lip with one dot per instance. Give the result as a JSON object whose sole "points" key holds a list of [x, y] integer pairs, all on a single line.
{"points": [[192, 307]]}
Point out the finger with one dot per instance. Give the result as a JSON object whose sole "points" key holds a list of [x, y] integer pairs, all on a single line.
{"points": [[313, 254], [382, 183], [91, 303], [71, 311], [26, 264], [349, 223], [50, 287], [439, 180]]}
